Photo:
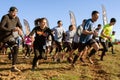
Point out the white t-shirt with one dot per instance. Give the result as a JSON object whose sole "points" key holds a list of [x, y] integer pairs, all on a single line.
{"points": [[69, 36], [58, 33]]}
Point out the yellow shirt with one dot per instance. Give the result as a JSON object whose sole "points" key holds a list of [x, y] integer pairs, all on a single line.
{"points": [[107, 29]]}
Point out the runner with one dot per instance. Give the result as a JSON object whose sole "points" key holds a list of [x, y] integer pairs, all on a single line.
{"points": [[9, 24], [28, 46], [41, 33], [86, 38], [105, 36], [111, 43], [67, 45], [96, 37], [75, 43], [58, 36]]}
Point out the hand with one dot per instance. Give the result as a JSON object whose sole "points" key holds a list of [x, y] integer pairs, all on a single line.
{"points": [[109, 38], [95, 33], [92, 32], [16, 29], [20, 32]]}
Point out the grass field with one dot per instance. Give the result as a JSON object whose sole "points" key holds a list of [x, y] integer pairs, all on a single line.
{"points": [[109, 69]]}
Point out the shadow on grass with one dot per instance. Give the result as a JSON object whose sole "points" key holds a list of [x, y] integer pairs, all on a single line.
{"points": [[5, 63], [4, 69], [50, 68], [52, 62]]}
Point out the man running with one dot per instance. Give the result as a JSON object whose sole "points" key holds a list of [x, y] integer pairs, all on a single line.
{"points": [[10, 23], [86, 37], [105, 36]]}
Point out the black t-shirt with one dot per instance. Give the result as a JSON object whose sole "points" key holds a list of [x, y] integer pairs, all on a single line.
{"points": [[41, 35]]}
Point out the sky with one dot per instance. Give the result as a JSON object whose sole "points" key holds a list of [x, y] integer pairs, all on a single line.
{"points": [[55, 10]]}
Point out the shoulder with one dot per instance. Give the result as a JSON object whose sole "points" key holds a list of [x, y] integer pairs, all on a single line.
{"points": [[62, 29], [36, 28], [53, 28], [17, 17], [67, 31], [79, 26], [88, 22], [5, 16], [105, 26], [47, 28]]}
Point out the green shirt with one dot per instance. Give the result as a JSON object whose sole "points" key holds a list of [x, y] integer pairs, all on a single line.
{"points": [[107, 31], [113, 38]]}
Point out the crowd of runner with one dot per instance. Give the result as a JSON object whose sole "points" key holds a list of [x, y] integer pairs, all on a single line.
{"points": [[56, 43]]}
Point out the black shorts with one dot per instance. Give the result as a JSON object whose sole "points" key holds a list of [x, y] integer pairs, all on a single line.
{"points": [[75, 45], [97, 41], [58, 46], [83, 45], [110, 44], [67, 45]]}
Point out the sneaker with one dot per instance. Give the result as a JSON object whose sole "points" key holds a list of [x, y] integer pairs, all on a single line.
{"points": [[81, 59], [15, 69]]}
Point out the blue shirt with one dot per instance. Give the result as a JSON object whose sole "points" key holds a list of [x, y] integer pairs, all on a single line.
{"points": [[89, 25]]}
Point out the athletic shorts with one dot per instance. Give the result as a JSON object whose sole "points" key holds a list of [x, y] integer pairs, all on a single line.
{"points": [[75, 45], [83, 45]]}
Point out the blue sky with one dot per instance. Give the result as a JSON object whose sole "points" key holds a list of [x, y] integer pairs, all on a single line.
{"points": [[55, 10]]}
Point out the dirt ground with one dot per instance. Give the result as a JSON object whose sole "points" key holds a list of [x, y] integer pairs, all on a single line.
{"points": [[49, 70]]}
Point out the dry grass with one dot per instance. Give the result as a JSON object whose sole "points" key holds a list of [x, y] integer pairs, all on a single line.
{"points": [[47, 70]]}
